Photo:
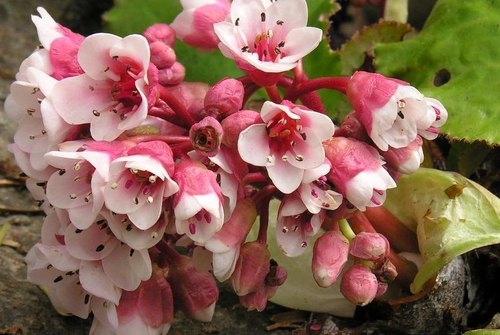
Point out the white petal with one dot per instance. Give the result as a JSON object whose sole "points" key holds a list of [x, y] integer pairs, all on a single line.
{"points": [[95, 281], [285, 177], [253, 145]]}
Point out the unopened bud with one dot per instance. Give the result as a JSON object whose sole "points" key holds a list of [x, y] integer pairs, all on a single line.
{"points": [[276, 276], [359, 285], [369, 246], [330, 253], [351, 127], [224, 98], [235, 123], [206, 136], [387, 272], [160, 32], [251, 268], [195, 292], [162, 55], [407, 159], [172, 75]]}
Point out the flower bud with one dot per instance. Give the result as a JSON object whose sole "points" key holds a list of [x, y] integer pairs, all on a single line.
{"points": [[359, 285], [224, 98], [352, 127], [235, 123], [251, 268], [206, 136], [160, 32], [369, 246], [162, 55], [195, 292], [276, 276], [172, 75], [330, 253]]}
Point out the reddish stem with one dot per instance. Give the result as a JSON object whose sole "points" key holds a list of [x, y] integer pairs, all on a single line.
{"points": [[274, 94], [311, 85], [264, 221], [400, 236], [254, 177], [176, 105]]}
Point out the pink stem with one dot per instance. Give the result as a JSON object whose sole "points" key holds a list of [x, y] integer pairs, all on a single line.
{"points": [[176, 105], [274, 94], [308, 86]]}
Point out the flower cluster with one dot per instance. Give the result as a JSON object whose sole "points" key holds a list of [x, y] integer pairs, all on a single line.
{"points": [[151, 184]]}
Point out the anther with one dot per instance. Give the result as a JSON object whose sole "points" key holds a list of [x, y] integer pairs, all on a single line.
{"points": [[401, 115], [150, 199], [237, 22], [114, 186], [279, 22], [30, 111], [96, 113], [99, 248], [72, 196], [299, 158], [263, 17]]}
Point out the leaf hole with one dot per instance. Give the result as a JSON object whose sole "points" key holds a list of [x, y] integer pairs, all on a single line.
{"points": [[441, 77]]}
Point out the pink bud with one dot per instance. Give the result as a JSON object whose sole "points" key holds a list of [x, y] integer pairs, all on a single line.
{"points": [[195, 292], [330, 253], [370, 246], [224, 98], [160, 32], [173, 75], [235, 123], [251, 268], [162, 55], [382, 288], [351, 127], [276, 276], [359, 285], [206, 136]]}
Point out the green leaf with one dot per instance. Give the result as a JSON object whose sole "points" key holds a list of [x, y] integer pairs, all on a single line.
{"points": [[209, 67], [134, 16], [454, 59], [483, 332], [354, 52], [450, 213]]}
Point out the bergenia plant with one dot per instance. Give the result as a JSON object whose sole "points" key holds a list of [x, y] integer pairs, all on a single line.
{"points": [[154, 187]]}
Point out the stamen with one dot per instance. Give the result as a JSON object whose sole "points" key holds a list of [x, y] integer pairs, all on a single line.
{"points": [[279, 22], [152, 178], [114, 186], [72, 196], [263, 17], [303, 244], [192, 228], [96, 113], [401, 115], [150, 199], [99, 248], [299, 158], [58, 279], [284, 230], [30, 111], [237, 22]]}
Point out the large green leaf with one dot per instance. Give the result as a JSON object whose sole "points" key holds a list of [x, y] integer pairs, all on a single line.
{"points": [[450, 213], [455, 59], [208, 67]]}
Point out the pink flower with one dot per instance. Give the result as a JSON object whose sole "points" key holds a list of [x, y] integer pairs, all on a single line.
{"points": [[287, 143], [147, 310], [139, 182], [393, 112], [111, 95], [62, 45], [267, 37], [194, 25], [295, 225], [40, 129], [357, 172], [78, 184], [225, 244], [315, 192], [198, 206], [405, 160]]}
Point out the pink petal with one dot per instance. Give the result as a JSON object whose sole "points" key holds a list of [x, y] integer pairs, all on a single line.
{"points": [[300, 42], [253, 145], [95, 281], [285, 177], [127, 267], [94, 56], [93, 243]]}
